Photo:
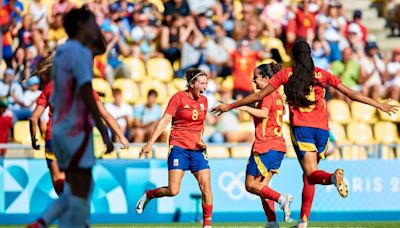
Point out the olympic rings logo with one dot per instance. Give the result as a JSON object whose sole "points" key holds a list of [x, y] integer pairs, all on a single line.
{"points": [[234, 186]]}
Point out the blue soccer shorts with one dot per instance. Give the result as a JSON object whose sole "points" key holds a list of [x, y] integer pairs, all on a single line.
{"points": [[310, 139], [184, 159], [48, 152], [262, 164]]}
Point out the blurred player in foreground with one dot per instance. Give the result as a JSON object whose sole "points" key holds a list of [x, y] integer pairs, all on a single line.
{"points": [[187, 110], [44, 70]]}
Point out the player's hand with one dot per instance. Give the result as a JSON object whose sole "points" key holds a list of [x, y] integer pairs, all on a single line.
{"points": [[218, 110], [146, 149], [34, 145], [109, 145], [389, 108], [125, 143]]}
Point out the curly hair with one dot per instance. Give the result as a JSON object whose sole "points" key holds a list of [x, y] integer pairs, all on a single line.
{"points": [[300, 83], [269, 70]]}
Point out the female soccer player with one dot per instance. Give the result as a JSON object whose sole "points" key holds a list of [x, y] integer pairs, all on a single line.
{"points": [[44, 69], [269, 146], [304, 87], [187, 109]]}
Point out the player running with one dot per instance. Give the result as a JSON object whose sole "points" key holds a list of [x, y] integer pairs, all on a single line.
{"points": [[304, 87], [269, 146], [187, 110]]}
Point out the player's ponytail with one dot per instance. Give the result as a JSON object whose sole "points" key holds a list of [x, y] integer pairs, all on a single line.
{"points": [[299, 84], [269, 70]]}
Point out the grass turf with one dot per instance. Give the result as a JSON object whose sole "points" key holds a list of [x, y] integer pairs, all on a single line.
{"points": [[241, 225]]}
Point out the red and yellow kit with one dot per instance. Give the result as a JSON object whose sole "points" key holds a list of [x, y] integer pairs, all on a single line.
{"points": [[315, 115], [188, 117]]}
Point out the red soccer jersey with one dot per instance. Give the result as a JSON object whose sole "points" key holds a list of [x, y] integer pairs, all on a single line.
{"points": [[44, 100], [315, 115], [269, 130], [188, 117]]}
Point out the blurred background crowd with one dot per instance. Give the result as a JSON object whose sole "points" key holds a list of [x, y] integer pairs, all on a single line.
{"points": [[150, 44]]}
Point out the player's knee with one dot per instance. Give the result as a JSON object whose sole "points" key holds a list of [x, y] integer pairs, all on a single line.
{"points": [[173, 191], [205, 188], [250, 187]]}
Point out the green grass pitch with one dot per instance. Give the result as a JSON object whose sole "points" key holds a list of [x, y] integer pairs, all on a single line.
{"points": [[243, 225]]}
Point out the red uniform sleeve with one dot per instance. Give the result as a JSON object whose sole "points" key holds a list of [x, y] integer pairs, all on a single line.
{"points": [[331, 79], [280, 78], [173, 105]]}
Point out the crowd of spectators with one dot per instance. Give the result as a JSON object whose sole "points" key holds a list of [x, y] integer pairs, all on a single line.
{"points": [[225, 38]]}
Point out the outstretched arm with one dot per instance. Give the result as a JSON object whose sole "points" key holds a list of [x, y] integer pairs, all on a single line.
{"points": [[112, 123], [356, 96], [158, 130], [260, 113], [254, 97]]}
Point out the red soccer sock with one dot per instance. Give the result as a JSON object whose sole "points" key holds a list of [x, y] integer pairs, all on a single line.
{"points": [[59, 186], [320, 177], [307, 200], [151, 194], [269, 209], [207, 214], [268, 193]]}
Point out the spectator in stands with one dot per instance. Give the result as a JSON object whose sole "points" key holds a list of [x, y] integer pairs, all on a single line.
{"points": [[115, 47], [146, 117], [354, 37], [180, 7], [12, 90], [392, 83], [121, 111], [6, 123], [333, 27], [228, 124], [40, 16], [357, 21], [100, 9], [150, 11], [57, 33], [393, 16], [124, 8], [62, 7], [349, 72], [227, 19], [143, 35], [320, 53], [24, 31], [274, 16], [27, 102], [253, 32], [302, 25], [243, 64], [10, 14], [171, 38], [18, 64], [205, 26], [375, 71]]}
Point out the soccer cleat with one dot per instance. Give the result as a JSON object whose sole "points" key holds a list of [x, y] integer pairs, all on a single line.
{"points": [[141, 204], [301, 225], [272, 225], [37, 224], [340, 184], [285, 206]]}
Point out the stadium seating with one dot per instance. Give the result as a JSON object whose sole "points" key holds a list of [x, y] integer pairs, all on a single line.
{"points": [[386, 134], [129, 89], [137, 67], [242, 151], [339, 111], [160, 69], [217, 152], [363, 112], [131, 153], [161, 152], [158, 86], [103, 88], [22, 133], [360, 134]]}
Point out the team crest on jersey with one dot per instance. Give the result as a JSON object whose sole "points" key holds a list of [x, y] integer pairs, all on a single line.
{"points": [[186, 106], [202, 107]]}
